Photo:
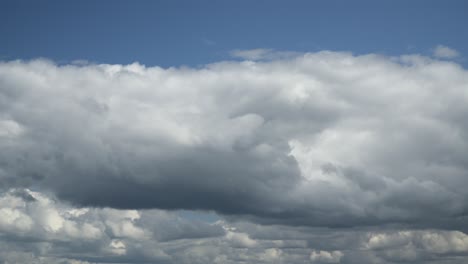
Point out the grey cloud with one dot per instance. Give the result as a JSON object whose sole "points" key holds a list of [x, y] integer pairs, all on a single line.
{"points": [[45, 230], [41, 230], [319, 139], [177, 227]]}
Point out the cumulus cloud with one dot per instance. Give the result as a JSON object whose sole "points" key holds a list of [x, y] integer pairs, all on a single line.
{"points": [[326, 257], [313, 140], [43, 227], [412, 246], [57, 232], [445, 52]]}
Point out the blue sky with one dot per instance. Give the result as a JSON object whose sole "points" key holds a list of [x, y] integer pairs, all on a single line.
{"points": [[174, 33]]}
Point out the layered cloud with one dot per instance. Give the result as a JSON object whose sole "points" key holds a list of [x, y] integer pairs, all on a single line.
{"points": [[38, 229]]}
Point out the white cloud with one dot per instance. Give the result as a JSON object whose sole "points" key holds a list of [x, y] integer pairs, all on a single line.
{"points": [[445, 52], [415, 245], [43, 218], [253, 54], [322, 139], [117, 247], [9, 128], [271, 255], [315, 126], [85, 233], [323, 256], [240, 239], [13, 219], [37, 224], [262, 54]]}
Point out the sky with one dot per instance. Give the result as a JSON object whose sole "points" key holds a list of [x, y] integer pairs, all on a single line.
{"points": [[175, 33], [233, 132]]}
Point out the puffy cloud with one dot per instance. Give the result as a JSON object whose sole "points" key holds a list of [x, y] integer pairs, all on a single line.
{"points": [[445, 52], [240, 239], [326, 257], [40, 217], [418, 245], [93, 235], [321, 139], [41, 226], [288, 150], [271, 255]]}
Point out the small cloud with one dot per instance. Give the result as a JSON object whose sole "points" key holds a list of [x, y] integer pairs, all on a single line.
{"points": [[323, 256], [262, 54], [252, 54], [208, 42], [445, 52], [81, 62]]}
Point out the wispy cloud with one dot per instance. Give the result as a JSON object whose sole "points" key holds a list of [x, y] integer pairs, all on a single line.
{"points": [[262, 54], [445, 52]]}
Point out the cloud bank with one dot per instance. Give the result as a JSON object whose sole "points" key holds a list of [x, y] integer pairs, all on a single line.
{"points": [[316, 140], [35, 228]]}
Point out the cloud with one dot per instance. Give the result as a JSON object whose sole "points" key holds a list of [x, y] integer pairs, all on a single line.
{"points": [[445, 52], [43, 227], [208, 42], [323, 139], [326, 257], [262, 54], [57, 232], [415, 246], [253, 54]]}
